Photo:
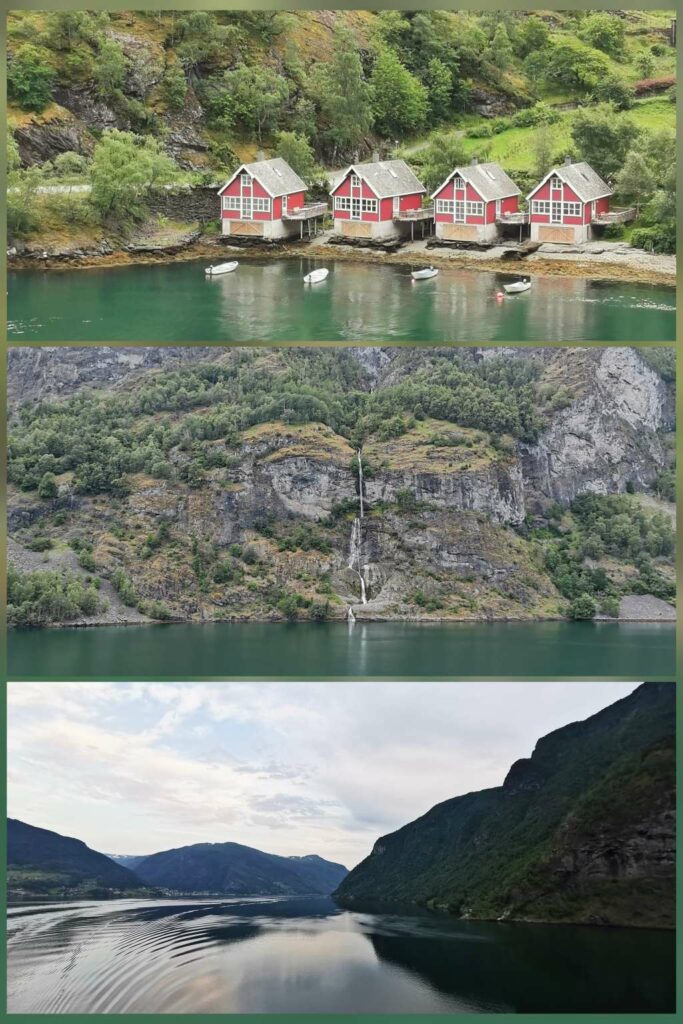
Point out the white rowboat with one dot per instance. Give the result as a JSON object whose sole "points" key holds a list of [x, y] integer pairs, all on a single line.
{"points": [[221, 268], [517, 286], [423, 275], [316, 275]]}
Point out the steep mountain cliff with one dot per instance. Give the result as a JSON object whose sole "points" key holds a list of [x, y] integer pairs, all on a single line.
{"points": [[45, 862], [393, 482], [583, 830], [236, 869]]}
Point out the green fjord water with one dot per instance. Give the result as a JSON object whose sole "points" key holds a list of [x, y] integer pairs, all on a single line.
{"points": [[267, 301], [309, 650], [308, 955]]}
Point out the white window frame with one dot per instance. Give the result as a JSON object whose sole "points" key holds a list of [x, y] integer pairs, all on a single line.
{"points": [[368, 205], [458, 183], [555, 184], [474, 209], [245, 178], [540, 206], [260, 204], [556, 212], [445, 206], [231, 203], [342, 202], [459, 211], [355, 181], [571, 209]]}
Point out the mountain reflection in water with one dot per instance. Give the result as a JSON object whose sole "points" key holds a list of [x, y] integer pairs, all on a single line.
{"points": [[303, 955]]}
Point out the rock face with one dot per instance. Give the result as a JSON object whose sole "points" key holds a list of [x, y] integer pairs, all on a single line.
{"points": [[583, 830], [445, 506], [47, 372], [608, 436], [43, 138]]}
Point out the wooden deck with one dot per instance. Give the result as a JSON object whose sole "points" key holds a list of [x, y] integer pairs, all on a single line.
{"points": [[306, 212], [519, 217], [615, 216], [411, 216]]}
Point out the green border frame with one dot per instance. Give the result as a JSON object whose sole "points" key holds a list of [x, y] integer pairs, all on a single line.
{"points": [[284, 5]]}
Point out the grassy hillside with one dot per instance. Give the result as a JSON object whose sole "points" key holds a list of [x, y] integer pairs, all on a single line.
{"points": [[321, 88], [583, 830]]}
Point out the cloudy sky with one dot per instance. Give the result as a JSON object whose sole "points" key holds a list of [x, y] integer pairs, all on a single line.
{"points": [[291, 768]]}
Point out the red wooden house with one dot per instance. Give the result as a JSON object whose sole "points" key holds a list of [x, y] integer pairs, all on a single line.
{"points": [[266, 199], [564, 206], [472, 199], [375, 200]]}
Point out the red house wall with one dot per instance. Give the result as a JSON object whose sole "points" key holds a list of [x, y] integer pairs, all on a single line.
{"points": [[411, 202]]}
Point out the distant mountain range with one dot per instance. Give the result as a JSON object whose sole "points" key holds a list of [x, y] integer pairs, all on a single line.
{"points": [[583, 830], [232, 868], [45, 862]]}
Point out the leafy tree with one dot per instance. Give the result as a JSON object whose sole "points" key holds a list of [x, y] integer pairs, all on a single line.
{"points": [[30, 78], [501, 48], [110, 68], [22, 187], [174, 87], [47, 488], [438, 159], [297, 151], [543, 149], [582, 607], [69, 164], [604, 137], [532, 35], [635, 179], [343, 96], [605, 32], [257, 97], [569, 63], [615, 90], [439, 84], [399, 100], [645, 65], [124, 168]]}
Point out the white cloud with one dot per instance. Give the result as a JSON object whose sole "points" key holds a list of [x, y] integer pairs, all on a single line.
{"points": [[292, 768]]}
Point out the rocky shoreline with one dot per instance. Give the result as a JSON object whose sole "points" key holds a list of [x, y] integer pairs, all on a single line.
{"points": [[606, 261]]}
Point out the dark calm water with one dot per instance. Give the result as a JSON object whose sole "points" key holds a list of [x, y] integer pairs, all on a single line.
{"points": [[267, 301], [308, 955], [323, 650]]}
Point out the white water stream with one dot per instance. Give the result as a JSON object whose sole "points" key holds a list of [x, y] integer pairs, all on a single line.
{"points": [[355, 547]]}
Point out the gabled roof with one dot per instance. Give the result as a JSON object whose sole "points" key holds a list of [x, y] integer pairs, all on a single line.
{"points": [[490, 181], [386, 178], [581, 178], [276, 176]]}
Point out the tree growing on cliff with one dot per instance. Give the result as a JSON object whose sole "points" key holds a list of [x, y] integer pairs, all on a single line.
{"points": [[635, 179], [343, 96], [604, 137], [30, 78], [297, 151], [399, 100], [124, 168], [257, 98]]}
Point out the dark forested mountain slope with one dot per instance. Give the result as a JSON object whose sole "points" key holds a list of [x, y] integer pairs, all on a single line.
{"points": [[583, 830], [41, 860], [233, 868]]}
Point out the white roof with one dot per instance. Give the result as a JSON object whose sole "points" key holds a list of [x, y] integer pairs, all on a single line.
{"points": [[581, 178], [386, 178], [276, 176], [490, 181]]}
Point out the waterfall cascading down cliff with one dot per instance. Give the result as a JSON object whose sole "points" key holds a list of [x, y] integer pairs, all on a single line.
{"points": [[356, 545]]}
